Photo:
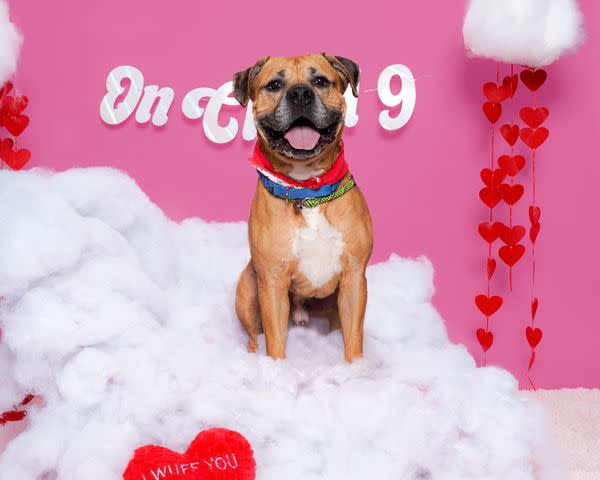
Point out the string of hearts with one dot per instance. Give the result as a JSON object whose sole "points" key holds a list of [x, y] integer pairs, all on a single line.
{"points": [[15, 123], [495, 190]]}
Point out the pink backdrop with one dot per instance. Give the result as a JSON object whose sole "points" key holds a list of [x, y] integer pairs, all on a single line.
{"points": [[421, 182]]}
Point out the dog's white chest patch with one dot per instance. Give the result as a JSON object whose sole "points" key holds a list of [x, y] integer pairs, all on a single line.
{"points": [[318, 247]]}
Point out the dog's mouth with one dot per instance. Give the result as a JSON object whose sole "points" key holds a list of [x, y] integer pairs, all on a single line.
{"points": [[301, 139]]}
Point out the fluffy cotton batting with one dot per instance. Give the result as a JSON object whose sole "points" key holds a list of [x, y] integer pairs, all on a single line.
{"points": [[124, 322], [10, 44], [534, 33]]}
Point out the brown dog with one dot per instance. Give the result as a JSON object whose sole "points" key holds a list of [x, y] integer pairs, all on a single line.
{"points": [[302, 256]]}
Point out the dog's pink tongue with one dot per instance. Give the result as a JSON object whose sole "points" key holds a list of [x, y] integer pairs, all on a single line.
{"points": [[302, 137]]}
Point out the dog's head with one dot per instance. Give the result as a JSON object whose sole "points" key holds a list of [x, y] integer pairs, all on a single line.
{"points": [[298, 102]]}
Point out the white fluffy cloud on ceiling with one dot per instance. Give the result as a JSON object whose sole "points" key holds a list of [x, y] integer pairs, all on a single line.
{"points": [[10, 44]]}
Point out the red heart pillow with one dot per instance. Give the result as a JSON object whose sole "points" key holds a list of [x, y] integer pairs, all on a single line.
{"points": [[215, 454]]}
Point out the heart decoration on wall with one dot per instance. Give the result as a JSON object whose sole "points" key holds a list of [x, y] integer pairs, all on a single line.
{"points": [[15, 122], [215, 454]]}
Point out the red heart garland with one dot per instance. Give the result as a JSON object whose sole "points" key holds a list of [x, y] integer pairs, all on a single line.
{"points": [[215, 454], [511, 193], [534, 117], [488, 305], [492, 111], [15, 159], [497, 93], [534, 214], [534, 138], [533, 80], [485, 338], [534, 231], [489, 196], [510, 133], [511, 254], [534, 336], [534, 306], [511, 164], [512, 236], [491, 267], [492, 179], [490, 232]]}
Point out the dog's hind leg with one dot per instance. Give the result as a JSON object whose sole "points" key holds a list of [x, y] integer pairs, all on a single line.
{"points": [[246, 305]]}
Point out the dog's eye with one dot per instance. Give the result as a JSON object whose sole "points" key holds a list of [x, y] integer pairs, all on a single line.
{"points": [[321, 82], [274, 85]]}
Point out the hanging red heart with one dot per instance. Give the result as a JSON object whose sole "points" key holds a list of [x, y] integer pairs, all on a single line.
{"points": [[215, 454], [492, 179], [534, 231], [512, 236], [533, 79], [511, 193], [510, 133], [511, 164], [489, 196], [534, 214], [534, 117], [485, 338], [14, 159], [534, 138], [534, 306], [534, 336], [15, 124], [490, 232], [496, 93], [492, 111], [512, 83], [491, 267], [488, 305], [531, 360], [511, 254], [14, 105]]}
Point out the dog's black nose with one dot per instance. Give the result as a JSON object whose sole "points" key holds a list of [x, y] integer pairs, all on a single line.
{"points": [[301, 95]]}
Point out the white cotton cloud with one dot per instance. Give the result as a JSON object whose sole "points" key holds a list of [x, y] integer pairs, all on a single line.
{"points": [[533, 33], [10, 44], [125, 323]]}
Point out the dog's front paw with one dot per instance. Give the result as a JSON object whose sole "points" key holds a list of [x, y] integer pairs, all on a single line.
{"points": [[300, 315]]}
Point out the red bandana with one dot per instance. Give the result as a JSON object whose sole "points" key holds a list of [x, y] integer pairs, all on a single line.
{"points": [[331, 176]]}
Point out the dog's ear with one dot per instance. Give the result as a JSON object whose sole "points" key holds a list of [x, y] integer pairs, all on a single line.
{"points": [[347, 69], [243, 81]]}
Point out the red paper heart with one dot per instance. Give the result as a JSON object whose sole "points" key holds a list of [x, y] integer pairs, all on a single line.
{"points": [[492, 111], [490, 232], [489, 196], [534, 214], [512, 236], [492, 179], [14, 105], [534, 138], [533, 80], [534, 231], [534, 336], [534, 117], [511, 254], [485, 338], [510, 133], [6, 89], [534, 306], [15, 124], [510, 193], [488, 305], [512, 83], [491, 267], [215, 454], [15, 159], [511, 164], [496, 93]]}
